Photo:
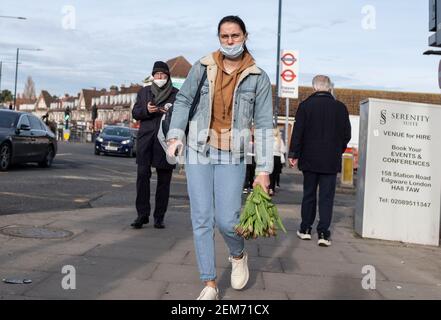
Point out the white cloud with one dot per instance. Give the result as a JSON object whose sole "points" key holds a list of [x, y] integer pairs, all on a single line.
{"points": [[119, 41]]}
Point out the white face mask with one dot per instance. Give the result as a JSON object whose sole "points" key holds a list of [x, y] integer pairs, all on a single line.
{"points": [[160, 82], [233, 51]]}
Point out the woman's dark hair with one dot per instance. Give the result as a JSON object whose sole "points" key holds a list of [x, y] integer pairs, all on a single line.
{"points": [[232, 19], [236, 20]]}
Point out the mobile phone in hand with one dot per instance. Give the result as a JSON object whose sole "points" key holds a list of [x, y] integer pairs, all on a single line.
{"points": [[166, 107]]}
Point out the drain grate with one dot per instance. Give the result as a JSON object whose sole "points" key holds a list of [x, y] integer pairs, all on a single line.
{"points": [[36, 232]]}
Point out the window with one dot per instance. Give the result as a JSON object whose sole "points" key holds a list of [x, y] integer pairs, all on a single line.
{"points": [[43, 125], [120, 132], [35, 123], [24, 120], [7, 119]]}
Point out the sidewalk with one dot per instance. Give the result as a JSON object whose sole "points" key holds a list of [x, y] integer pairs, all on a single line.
{"points": [[113, 261]]}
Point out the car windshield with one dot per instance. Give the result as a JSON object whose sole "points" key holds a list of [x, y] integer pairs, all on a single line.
{"points": [[7, 119], [120, 132]]}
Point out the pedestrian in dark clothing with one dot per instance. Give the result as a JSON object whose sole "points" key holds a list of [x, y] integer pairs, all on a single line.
{"points": [[251, 167], [151, 103], [321, 133]]}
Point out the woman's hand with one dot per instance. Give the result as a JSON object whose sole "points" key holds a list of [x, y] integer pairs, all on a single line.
{"points": [[175, 147], [263, 180]]}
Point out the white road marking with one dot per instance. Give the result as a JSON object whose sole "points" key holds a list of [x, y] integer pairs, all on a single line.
{"points": [[107, 179], [22, 195], [81, 200], [113, 171], [63, 154]]}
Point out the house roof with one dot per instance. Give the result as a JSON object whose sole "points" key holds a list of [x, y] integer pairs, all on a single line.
{"points": [[22, 101], [352, 98], [134, 88], [179, 67], [48, 99], [89, 94]]}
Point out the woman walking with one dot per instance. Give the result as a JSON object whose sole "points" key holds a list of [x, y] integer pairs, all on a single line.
{"points": [[235, 94], [279, 150]]}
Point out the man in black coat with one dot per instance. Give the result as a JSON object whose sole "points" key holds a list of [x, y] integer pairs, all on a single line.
{"points": [[321, 133], [151, 103]]}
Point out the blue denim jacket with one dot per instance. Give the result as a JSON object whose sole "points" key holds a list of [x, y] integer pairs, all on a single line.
{"points": [[252, 105]]}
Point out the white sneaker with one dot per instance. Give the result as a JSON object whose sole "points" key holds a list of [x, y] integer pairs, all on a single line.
{"points": [[239, 272], [304, 236], [323, 241], [209, 293]]}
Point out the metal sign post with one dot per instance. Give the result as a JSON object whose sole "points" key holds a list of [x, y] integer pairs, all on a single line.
{"points": [[286, 132], [289, 85]]}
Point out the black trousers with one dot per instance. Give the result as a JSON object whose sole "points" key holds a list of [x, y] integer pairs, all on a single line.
{"points": [[250, 173], [143, 191], [326, 184], [275, 175]]}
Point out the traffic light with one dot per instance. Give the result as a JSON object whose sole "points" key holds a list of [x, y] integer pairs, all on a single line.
{"points": [[67, 117], [94, 112]]}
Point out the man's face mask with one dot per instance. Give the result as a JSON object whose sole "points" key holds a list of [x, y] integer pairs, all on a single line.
{"points": [[160, 82]]}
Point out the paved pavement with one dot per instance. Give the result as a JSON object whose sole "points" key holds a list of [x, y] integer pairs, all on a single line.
{"points": [[113, 261]]}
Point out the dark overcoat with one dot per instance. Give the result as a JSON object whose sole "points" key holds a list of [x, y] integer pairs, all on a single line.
{"points": [[321, 134], [149, 151]]}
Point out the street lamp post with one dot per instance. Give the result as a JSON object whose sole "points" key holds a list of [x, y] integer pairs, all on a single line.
{"points": [[1, 72], [16, 72], [11, 17], [278, 62]]}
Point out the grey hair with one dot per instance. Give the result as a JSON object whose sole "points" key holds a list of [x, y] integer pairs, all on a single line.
{"points": [[322, 83]]}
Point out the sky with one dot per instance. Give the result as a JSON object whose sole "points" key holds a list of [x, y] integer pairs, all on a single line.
{"points": [[372, 44]]}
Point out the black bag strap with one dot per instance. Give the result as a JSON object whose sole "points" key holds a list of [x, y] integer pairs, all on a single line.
{"points": [[197, 96]]}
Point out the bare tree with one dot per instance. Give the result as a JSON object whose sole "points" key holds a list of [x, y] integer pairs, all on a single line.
{"points": [[29, 90]]}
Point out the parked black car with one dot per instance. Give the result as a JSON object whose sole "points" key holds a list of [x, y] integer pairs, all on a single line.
{"points": [[116, 140], [25, 138]]}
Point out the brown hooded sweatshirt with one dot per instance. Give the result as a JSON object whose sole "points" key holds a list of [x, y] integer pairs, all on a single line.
{"points": [[221, 119]]}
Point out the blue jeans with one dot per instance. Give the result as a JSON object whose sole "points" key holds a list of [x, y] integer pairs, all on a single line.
{"points": [[215, 188]]}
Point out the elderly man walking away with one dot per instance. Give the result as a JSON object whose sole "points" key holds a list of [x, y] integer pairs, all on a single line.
{"points": [[321, 133]]}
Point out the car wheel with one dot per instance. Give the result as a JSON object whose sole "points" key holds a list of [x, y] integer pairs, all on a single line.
{"points": [[130, 154], [97, 152], [5, 156], [48, 159]]}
